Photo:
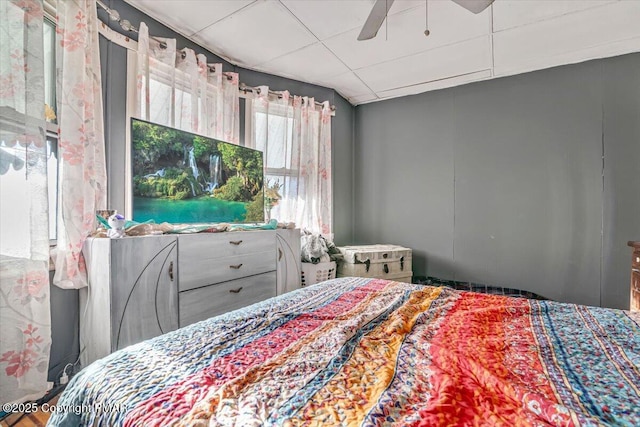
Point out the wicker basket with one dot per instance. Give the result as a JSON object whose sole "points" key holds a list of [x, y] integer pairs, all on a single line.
{"points": [[314, 273]]}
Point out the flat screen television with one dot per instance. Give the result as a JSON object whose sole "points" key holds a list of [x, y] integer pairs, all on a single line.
{"points": [[181, 177]]}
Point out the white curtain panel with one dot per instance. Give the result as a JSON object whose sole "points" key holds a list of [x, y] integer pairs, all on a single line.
{"points": [[25, 321], [82, 171], [295, 136], [180, 89], [186, 91], [224, 119], [155, 77]]}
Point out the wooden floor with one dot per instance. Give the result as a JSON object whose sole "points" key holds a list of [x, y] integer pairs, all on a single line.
{"points": [[36, 419]]}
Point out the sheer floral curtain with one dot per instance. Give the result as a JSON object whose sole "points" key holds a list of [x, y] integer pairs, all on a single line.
{"points": [[82, 172], [25, 325], [180, 89], [295, 136], [222, 101]]}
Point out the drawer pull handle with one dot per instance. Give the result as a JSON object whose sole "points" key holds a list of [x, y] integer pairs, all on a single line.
{"points": [[235, 242], [236, 267], [235, 291], [386, 269], [279, 254], [171, 271]]}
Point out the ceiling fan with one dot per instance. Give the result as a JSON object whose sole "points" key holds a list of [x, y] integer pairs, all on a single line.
{"points": [[381, 9]]}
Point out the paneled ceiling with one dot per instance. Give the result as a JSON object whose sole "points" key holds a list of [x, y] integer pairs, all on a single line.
{"points": [[315, 41]]}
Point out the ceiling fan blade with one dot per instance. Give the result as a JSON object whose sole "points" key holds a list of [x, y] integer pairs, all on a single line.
{"points": [[475, 6], [375, 19]]}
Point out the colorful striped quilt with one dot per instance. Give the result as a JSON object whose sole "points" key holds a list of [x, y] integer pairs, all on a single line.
{"points": [[366, 352]]}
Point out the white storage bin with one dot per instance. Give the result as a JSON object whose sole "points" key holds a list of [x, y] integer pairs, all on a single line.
{"points": [[391, 262], [315, 273]]}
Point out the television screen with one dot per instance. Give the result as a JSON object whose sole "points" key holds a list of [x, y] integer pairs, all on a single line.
{"points": [[180, 177]]}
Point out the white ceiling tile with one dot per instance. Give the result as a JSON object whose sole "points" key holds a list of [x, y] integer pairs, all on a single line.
{"points": [[515, 13], [567, 38], [401, 5], [435, 85], [444, 62], [355, 100], [258, 33], [448, 24], [310, 64], [189, 16], [330, 17], [348, 84], [621, 47], [351, 98]]}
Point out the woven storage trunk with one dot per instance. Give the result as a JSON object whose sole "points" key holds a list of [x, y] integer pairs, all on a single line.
{"points": [[377, 261], [315, 273]]}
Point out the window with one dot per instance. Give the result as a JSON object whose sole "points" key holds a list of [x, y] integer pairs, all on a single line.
{"points": [[13, 156], [272, 133], [280, 128], [49, 33], [52, 131], [274, 136], [296, 140]]}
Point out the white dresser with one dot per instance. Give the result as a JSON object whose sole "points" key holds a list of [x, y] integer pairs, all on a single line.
{"points": [[288, 266], [132, 293], [142, 287], [223, 272]]}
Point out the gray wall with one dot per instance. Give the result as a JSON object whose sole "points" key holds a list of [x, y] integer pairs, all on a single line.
{"points": [[342, 141], [65, 326], [501, 182], [621, 142]]}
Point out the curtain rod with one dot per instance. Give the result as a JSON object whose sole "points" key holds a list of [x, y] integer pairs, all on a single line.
{"points": [[126, 25], [245, 88]]}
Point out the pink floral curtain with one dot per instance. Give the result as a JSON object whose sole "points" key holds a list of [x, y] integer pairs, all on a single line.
{"points": [[180, 89], [25, 331], [82, 173], [295, 135]]}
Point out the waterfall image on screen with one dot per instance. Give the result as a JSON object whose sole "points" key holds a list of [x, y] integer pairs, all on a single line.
{"points": [[181, 177]]}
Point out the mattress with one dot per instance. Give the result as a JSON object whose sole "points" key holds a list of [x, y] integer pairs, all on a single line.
{"points": [[369, 352]]}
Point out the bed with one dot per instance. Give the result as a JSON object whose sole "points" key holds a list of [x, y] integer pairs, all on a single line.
{"points": [[373, 352]]}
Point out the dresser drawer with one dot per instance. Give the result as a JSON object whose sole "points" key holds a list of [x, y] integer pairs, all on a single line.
{"points": [[199, 272], [216, 245], [203, 303]]}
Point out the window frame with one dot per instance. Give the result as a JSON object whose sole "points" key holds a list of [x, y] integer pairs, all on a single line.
{"points": [[51, 130]]}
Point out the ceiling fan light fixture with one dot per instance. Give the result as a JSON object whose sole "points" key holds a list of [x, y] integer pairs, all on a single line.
{"points": [[376, 17], [381, 8]]}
